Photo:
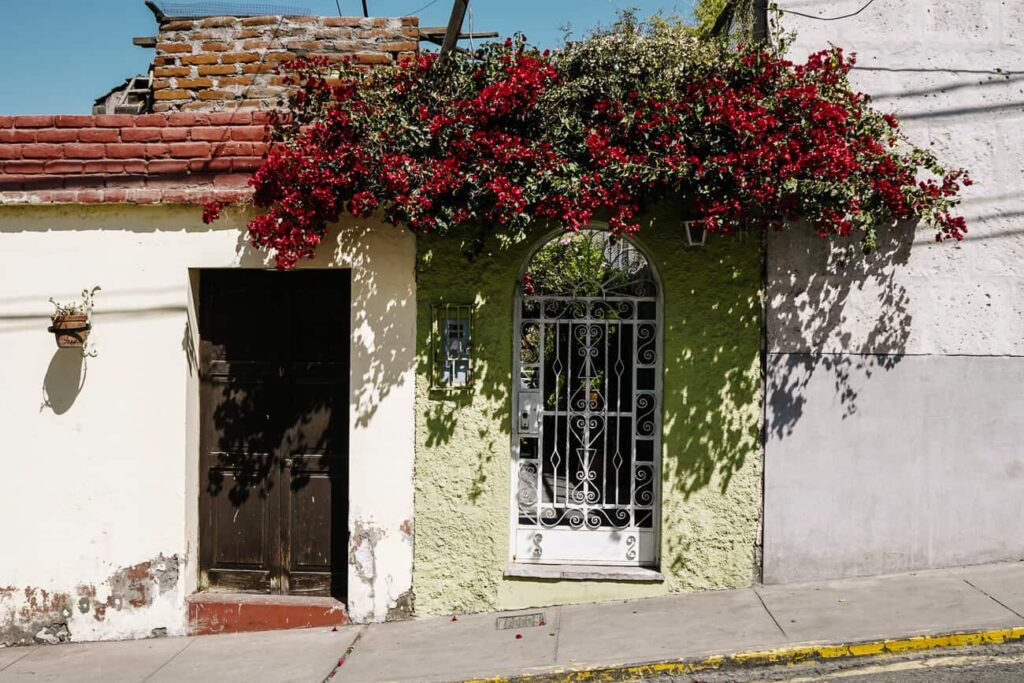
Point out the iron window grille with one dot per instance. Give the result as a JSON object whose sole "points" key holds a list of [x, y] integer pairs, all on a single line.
{"points": [[451, 346]]}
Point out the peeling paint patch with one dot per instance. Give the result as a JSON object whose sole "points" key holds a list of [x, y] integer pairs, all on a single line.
{"points": [[406, 528], [135, 587], [37, 615], [402, 607], [33, 615], [53, 634], [362, 562], [361, 550]]}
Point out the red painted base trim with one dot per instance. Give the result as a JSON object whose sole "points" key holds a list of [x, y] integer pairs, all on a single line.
{"points": [[210, 613]]}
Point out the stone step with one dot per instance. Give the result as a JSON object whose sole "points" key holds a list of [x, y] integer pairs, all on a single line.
{"points": [[210, 613]]}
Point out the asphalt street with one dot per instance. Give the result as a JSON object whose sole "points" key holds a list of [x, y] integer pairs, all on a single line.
{"points": [[991, 664]]}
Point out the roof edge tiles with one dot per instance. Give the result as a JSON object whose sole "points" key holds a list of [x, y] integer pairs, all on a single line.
{"points": [[180, 157]]}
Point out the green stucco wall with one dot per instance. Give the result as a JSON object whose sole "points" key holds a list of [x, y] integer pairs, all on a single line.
{"points": [[711, 458]]}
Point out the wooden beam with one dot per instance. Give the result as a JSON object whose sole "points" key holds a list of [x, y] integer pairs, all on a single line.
{"points": [[451, 35], [437, 40], [760, 20], [439, 37], [724, 20], [441, 30], [157, 12], [144, 41]]}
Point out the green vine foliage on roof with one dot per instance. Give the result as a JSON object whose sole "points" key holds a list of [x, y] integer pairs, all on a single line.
{"points": [[645, 112]]}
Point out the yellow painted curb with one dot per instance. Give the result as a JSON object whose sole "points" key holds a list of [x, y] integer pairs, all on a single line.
{"points": [[787, 656]]}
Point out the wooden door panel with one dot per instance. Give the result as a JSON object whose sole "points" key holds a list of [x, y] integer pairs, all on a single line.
{"points": [[318, 543], [318, 427], [316, 498], [274, 364], [310, 532], [317, 442], [320, 318], [238, 549], [242, 316], [239, 524], [244, 416]]}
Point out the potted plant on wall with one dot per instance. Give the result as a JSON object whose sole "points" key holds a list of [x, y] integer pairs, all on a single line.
{"points": [[70, 322]]}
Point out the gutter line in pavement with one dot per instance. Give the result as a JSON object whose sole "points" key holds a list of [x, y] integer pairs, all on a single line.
{"points": [[776, 621], [348, 653], [992, 598], [28, 651]]}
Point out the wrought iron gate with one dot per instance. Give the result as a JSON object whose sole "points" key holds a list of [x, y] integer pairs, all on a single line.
{"points": [[586, 429]]}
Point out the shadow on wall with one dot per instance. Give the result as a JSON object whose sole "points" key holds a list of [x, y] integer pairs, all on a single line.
{"points": [[822, 301], [711, 406], [64, 380], [462, 436], [833, 300], [712, 386], [487, 280], [380, 334]]}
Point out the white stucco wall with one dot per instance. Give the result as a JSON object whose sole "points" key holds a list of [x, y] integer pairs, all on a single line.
{"points": [[100, 465], [894, 429]]}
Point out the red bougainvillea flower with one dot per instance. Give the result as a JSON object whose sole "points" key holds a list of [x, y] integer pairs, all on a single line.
{"points": [[602, 129], [211, 211]]}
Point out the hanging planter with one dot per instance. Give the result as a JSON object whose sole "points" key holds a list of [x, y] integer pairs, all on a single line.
{"points": [[70, 329], [70, 323]]}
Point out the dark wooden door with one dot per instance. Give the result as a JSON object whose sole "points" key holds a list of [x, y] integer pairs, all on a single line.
{"points": [[274, 352]]}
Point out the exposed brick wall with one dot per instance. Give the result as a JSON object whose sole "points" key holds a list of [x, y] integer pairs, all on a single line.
{"points": [[177, 157], [224, 65], [227, 63]]}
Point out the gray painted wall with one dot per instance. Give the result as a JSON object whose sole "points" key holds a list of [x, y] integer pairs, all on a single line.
{"points": [[895, 407], [920, 466]]}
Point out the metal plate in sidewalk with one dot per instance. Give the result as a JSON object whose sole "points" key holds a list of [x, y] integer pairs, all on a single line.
{"points": [[520, 621]]}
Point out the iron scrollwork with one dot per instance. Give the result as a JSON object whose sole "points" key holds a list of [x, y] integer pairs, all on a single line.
{"points": [[588, 326]]}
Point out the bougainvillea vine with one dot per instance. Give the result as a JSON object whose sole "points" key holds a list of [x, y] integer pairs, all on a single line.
{"points": [[599, 130]]}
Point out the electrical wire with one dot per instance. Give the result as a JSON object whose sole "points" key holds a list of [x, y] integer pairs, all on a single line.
{"points": [[811, 16], [337, 4], [417, 11]]}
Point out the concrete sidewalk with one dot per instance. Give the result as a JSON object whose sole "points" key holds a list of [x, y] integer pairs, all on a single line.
{"points": [[764, 618]]}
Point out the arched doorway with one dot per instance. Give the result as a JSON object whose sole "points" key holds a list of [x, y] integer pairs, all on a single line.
{"points": [[586, 427]]}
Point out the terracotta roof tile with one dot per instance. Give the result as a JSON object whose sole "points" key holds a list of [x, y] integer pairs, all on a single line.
{"points": [[172, 158]]}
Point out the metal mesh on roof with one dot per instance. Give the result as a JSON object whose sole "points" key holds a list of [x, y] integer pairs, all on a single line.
{"points": [[227, 9]]}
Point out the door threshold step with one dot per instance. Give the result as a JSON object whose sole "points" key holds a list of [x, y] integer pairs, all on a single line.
{"points": [[211, 613]]}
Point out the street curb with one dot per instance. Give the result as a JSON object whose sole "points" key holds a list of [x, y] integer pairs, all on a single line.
{"points": [[787, 656]]}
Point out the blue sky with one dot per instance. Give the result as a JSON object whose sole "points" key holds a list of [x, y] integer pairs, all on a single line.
{"points": [[56, 56]]}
